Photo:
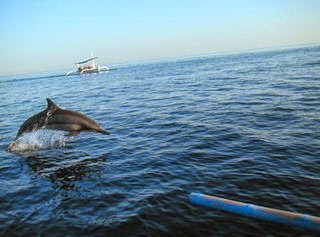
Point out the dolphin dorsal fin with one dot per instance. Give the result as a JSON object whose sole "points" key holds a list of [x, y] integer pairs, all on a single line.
{"points": [[52, 105]]}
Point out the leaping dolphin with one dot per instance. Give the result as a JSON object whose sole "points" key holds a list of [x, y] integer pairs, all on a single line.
{"points": [[56, 118]]}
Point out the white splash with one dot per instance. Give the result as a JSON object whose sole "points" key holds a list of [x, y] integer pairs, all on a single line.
{"points": [[38, 140]]}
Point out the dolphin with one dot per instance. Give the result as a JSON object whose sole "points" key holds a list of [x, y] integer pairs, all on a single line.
{"points": [[56, 118]]}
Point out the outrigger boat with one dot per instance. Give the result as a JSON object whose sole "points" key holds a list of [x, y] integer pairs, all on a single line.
{"points": [[82, 67]]}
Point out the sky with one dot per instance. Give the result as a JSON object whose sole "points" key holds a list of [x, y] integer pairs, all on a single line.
{"points": [[50, 35]]}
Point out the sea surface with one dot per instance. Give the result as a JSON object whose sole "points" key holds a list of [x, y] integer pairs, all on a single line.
{"points": [[243, 126]]}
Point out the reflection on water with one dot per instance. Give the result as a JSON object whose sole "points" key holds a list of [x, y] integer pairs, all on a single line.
{"points": [[62, 170]]}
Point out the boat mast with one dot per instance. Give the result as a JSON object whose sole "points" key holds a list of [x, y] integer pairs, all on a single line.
{"points": [[93, 61]]}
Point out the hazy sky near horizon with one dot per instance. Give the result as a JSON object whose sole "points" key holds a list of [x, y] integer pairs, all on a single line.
{"points": [[49, 35]]}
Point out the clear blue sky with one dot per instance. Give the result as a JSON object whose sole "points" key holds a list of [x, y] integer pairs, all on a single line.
{"points": [[49, 35]]}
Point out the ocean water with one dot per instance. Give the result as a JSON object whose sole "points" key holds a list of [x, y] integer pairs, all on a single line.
{"points": [[243, 126]]}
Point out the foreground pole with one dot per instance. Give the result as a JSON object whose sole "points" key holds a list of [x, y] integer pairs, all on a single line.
{"points": [[260, 212]]}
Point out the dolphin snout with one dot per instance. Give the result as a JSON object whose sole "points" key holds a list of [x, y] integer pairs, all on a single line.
{"points": [[104, 131]]}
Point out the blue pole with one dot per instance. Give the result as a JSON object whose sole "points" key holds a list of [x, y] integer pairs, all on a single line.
{"points": [[260, 212]]}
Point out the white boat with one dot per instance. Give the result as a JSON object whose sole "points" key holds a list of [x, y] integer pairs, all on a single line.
{"points": [[84, 67]]}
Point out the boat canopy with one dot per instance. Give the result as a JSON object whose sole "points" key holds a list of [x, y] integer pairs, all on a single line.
{"points": [[88, 60]]}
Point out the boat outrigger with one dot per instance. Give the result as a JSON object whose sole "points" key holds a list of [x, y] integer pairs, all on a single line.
{"points": [[82, 67]]}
